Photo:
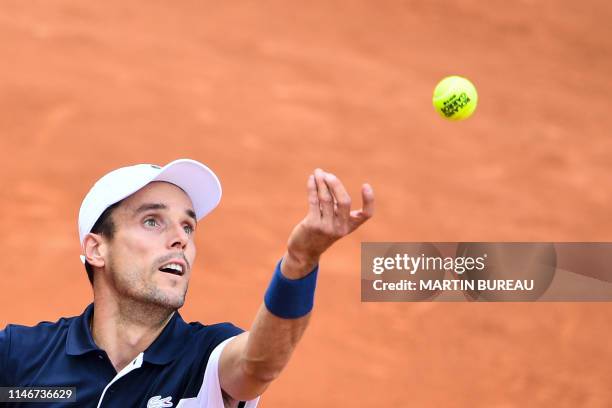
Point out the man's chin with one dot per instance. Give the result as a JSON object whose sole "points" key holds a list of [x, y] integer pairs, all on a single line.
{"points": [[171, 302], [167, 299], [172, 296]]}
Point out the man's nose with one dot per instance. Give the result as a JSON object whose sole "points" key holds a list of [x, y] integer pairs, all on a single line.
{"points": [[178, 238]]}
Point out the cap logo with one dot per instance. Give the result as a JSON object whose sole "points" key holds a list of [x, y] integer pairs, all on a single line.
{"points": [[155, 167]]}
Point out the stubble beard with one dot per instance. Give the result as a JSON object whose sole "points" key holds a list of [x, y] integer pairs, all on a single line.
{"points": [[139, 294]]}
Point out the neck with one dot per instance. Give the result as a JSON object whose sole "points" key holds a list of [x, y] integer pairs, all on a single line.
{"points": [[126, 328]]}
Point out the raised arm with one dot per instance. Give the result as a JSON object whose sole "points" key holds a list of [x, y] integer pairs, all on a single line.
{"points": [[254, 359]]}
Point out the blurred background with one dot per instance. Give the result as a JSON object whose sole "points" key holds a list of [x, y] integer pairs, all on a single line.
{"points": [[265, 91]]}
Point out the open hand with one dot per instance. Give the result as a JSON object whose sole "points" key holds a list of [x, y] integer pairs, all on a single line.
{"points": [[329, 218]]}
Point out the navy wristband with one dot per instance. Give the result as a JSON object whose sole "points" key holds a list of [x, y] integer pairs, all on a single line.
{"points": [[291, 298]]}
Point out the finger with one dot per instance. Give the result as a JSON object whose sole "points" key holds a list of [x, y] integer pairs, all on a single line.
{"points": [[342, 200], [313, 199], [360, 216], [326, 201]]}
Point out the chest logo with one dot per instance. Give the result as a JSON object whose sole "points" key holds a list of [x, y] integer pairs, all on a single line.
{"points": [[159, 402]]}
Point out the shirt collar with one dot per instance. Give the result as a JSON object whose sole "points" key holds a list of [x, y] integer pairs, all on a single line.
{"points": [[170, 342], [163, 350], [79, 340]]}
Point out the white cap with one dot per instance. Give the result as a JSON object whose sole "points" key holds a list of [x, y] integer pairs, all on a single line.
{"points": [[195, 179]]}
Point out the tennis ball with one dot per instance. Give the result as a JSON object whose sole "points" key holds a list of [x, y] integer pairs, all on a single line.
{"points": [[455, 98]]}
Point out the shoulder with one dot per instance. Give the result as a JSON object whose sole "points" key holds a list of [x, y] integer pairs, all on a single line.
{"points": [[220, 330], [210, 336], [204, 338], [20, 343], [198, 361], [5, 341], [41, 333]]}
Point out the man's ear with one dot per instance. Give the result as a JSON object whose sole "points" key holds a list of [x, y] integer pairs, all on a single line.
{"points": [[95, 249]]}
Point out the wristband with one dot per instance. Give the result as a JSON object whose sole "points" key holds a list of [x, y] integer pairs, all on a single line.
{"points": [[291, 298]]}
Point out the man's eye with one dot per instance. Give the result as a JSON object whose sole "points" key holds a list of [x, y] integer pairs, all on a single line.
{"points": [[188, 229], [150, 222]]}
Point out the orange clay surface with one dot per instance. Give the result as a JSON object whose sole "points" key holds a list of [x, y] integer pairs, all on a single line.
{"points": [[264, 92]]}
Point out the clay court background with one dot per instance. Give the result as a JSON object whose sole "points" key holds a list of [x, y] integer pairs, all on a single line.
{"points": [[264, 92]]}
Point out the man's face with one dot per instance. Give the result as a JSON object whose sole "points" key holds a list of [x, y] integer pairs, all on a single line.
{"points": [[150, 256]]}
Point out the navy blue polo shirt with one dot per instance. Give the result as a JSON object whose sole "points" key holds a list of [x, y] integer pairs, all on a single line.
{"points": [[64, 354]]}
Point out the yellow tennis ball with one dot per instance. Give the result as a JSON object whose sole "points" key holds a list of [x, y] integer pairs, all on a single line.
{"points": [[455, 98]]}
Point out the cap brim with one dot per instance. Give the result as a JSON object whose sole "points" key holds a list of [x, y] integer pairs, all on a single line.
{"points": [[198, 181]]}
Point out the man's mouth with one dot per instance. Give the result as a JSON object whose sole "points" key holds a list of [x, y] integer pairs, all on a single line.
{"points": [[173, 268]]}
